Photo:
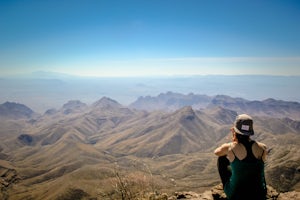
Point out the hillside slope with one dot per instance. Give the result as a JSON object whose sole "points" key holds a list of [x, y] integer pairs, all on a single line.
{"points": [[83, 146]]}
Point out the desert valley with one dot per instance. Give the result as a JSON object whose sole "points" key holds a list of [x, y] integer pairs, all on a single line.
{"points": [[156, 144]]}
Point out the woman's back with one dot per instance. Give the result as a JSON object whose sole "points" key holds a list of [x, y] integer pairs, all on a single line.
{"points": [[247, 180], [239, 150]]}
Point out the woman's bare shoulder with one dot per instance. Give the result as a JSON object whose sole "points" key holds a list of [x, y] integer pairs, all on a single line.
{"points": [[223, 149], [262, 145], [228, 145]]}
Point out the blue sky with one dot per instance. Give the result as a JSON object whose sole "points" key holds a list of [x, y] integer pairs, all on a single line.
{"points": [[150, 37]]}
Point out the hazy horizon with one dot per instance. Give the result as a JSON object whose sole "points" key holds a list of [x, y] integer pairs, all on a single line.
{"points": [[51, 90], [40, 74]]}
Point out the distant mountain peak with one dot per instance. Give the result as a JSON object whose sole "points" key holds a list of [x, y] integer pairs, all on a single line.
{"points": [[15, 110], [186, 113], [223, 115], [220, 109], [169, 93], [106, 102], [9, 104], [224, 98], [171, 101], [73, 104], [50, 111]]}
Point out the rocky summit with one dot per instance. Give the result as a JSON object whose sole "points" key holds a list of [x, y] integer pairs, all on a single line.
{"points": [[217, 193]]}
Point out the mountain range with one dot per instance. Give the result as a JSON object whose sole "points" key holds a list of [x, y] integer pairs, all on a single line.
{"points": [[43, 90], [168, 139], [173, 101]]}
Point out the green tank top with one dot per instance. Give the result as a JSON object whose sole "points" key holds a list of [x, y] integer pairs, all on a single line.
{"points": [[247, 180]]}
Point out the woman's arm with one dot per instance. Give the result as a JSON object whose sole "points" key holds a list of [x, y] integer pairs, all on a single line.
{"points": [[222, 150]]}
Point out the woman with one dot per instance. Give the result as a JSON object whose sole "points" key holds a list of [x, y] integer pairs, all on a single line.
{"points": [[246, 159]]}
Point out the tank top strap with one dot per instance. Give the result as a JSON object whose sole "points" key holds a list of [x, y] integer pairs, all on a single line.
{"points": [[231, 148]]}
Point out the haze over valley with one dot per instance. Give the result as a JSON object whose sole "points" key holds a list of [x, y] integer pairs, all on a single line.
{"points": [[43, 90]]}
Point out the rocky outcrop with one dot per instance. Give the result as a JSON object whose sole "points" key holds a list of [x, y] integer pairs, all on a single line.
{"points": [[7, 178], [217, 193]]}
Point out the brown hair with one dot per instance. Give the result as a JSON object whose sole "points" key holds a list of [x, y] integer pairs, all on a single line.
{"points": [[244, 139]]}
